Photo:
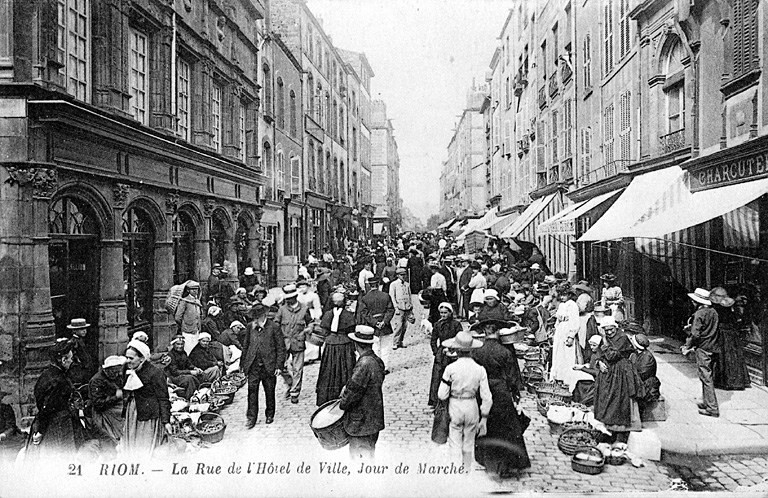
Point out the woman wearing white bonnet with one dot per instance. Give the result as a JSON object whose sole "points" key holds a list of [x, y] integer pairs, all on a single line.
{"points": [[188, 314]]}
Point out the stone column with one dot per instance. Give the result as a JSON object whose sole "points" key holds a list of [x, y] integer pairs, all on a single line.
{"points": [[163, 325], [203, 248], [26, 321], [113, 310]]}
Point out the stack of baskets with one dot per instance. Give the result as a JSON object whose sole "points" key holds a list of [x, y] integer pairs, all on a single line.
{"points": [[532, 376], [556, 390]]}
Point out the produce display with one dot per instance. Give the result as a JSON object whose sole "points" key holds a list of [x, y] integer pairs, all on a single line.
{"points": [[210, 427]]}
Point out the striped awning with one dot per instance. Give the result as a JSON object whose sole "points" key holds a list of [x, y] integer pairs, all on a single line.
{"points": [[557, 225], [527, 217], [645, 193], [679, 208], [447, 224]]}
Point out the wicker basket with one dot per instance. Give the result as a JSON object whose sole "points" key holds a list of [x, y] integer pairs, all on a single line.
{"points": [[209, 418], [237, 378], [558, 429], [615, 460], [571, 440], [552, 391], [532, 376], [587, 466], [543, 404]]}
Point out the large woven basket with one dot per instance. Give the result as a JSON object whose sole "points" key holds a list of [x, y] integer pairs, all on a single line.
{"points": [[571, 440], [588, 466], [209, 418], [543, 404]]}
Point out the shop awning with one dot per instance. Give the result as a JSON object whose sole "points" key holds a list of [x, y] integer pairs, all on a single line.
{"points": [[527, 216], [502, 222], [683, 209], [557, 225], [640, 196], [447, 224]]}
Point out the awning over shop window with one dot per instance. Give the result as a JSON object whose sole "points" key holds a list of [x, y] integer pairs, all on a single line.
{"points": [[557, 225], [447, 224], [527, 216], [502, 222], [635, 202], [683, 209]]}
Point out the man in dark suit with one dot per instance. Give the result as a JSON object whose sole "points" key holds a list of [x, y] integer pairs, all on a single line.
{"points": [[362, 399], [263, 358], [376, 310]]}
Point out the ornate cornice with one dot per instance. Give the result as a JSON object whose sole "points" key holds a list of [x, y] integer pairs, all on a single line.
{"points": [[43, 180]]}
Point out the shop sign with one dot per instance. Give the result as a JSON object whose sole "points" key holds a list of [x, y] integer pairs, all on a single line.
{"points": [[736, 171], [557, 227]]}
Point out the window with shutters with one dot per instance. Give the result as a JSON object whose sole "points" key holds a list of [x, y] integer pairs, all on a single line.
{"points": [[311, 96], [607, 37], [587, 58], [292, 114], [280, 166], [139, 76], [216, 118], [267, 83], [674, 89], [625, 125], [510, 141], [295, 175], [585, 159], [73, 52], [554, 139], [567, 128], [182, 98], [745, 42], [280, 103], [608, 135], [624, 25], [496, 133], [544, 67], [507, 93], [541, 149]]}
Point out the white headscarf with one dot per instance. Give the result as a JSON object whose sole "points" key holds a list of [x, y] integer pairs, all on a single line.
{"points": [[132, 381]]}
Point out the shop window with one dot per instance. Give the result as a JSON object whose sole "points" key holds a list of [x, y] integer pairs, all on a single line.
{"points": [[138, 268], [183, 248], [219, 238]]}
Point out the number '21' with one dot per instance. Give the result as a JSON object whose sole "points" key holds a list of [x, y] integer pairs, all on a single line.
{"points": [[74, 470]]}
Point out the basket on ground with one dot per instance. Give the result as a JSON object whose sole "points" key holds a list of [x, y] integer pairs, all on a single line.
{"points": [[588, 460], [543, 404], [554, 391], [238, 379], [572, 440], [532, 376], [211, 427]]}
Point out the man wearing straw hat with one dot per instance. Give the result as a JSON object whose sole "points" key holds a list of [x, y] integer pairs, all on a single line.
{"points": [[703, 341], [362, 398], [83, 366], [461, 382]]}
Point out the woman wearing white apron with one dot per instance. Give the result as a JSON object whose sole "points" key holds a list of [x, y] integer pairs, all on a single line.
{"points": [[564, 342], [189, 314]]}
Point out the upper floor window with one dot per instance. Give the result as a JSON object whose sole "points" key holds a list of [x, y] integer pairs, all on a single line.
{"points": [[280, 103], [216, 117], [280, 173], [139, 76], [241, 130], [311, 43], [587, 58], [73, 47], [745, 42], [674, 89], [292, 114], [311, 96], [182, 98], [295, 175], [608, 36], [267, 75], [624, 24]]}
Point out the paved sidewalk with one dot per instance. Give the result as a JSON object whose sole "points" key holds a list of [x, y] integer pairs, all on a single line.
{"points": [[742, 427]]}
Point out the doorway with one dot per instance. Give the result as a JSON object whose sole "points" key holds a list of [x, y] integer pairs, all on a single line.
{"points": [[138, 269]]}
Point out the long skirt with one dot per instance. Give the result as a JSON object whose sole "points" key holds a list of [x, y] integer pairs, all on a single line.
{"points": [[336, 367], [563, 357], [584, 392], [730, 368], [616, 392], [61, 438], [109, 423], [502, 450], [141, 438], [635, 424]]}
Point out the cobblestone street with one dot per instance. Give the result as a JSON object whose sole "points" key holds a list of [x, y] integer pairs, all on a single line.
{"points": [[407, 436]]}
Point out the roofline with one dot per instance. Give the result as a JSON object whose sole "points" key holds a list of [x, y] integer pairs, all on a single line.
{"points": [[506, 22]]}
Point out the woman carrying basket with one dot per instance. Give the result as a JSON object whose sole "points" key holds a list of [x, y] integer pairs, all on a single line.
{"points": [[460, 384]]}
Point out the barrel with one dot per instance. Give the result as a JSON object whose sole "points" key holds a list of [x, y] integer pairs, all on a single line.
{"points": [[327, 425]]}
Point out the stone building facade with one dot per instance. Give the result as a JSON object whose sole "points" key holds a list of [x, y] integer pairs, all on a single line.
{"points": [[129, 164], [385, 172]]}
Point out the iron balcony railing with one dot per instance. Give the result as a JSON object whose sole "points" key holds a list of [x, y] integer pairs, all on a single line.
{"points": [[672, 142]]}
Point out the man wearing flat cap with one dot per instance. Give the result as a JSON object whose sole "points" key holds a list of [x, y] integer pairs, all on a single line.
{"points": [[377, 310], [293, 317], [263, 358], [362, 398]]}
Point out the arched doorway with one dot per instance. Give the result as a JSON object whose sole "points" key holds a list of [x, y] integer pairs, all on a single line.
{"points": [[73, 257], [183, 247], [219, 237], [138, 269]]}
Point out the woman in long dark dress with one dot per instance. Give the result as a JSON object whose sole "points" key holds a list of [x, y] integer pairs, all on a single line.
{"points": [[502, 450], [445, 328], [56, 430], [338, 357], [730, 369], [617, 387]]}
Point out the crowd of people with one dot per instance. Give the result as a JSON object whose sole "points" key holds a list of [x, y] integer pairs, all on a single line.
{"points": [[351, 312]]}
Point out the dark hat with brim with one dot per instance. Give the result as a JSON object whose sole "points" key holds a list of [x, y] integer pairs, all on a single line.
{"points": [[258, 310]]}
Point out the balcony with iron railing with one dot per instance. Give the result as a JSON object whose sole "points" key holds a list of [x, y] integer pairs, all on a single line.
{"points": [[608, 170], [542, 96], [672, 142], [553, 86]]}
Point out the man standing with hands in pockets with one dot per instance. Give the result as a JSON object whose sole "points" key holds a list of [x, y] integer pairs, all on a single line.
{"points": [[263, 359], [400, 292], [376, 310]]}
